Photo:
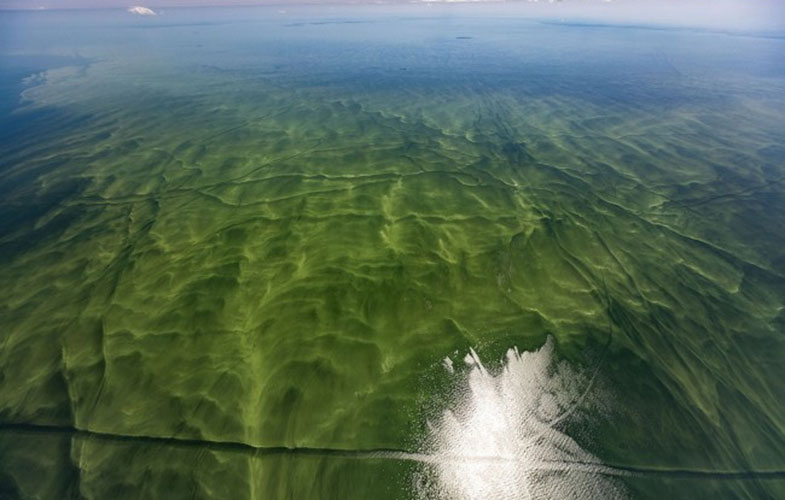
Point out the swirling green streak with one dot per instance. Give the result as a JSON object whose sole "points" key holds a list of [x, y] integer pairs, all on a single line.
{"points": [[282, 261]]}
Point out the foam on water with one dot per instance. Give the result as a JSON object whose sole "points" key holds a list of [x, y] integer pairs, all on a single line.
{"points": [[503, 438]]}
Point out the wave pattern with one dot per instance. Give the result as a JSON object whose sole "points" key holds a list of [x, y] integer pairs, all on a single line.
{"points": [[226, 232]]}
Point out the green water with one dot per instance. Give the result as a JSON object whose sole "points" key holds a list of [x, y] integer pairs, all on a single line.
{"points": [[261, 233]]}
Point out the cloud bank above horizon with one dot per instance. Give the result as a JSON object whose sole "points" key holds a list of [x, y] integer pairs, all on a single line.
{"points": [[142, 11]]}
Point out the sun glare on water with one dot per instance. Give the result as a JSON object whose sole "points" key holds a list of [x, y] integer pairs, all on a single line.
{"points": [[502, 440]]}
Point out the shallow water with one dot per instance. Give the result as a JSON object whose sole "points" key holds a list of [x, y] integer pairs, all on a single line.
{"points": [[237, 246]]}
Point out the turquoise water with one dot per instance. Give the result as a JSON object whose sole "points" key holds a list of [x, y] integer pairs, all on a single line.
{"points": [[285, 253]]}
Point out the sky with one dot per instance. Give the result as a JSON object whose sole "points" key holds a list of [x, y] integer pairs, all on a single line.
{"points": [[739, 14]]}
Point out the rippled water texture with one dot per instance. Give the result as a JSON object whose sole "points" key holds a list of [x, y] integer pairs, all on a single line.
{"points": [[237, 246]]}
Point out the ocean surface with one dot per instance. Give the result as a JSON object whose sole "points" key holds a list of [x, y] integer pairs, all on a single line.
{"points": [[389, 252]]}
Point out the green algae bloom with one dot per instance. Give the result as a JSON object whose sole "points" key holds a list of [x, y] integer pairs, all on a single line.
{"points": [[244, 252]]}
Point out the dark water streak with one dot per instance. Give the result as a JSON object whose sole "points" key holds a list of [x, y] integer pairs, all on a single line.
{"points": [[377, 453]]}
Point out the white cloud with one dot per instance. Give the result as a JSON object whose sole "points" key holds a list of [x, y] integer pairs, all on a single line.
{"points": [[142, 11]]}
